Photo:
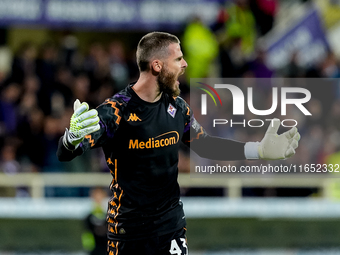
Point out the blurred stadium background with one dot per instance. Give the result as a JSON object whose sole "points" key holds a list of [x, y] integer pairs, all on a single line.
{"points": [[54, 51]]}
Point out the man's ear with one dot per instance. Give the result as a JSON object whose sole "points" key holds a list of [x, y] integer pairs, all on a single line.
{"points": [[156, 65]]}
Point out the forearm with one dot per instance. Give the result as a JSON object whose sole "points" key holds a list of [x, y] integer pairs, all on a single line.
{"points": [[64, 154], [218, 148]]}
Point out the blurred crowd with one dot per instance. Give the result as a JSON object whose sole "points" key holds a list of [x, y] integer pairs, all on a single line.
{"points": [[38, 93]]}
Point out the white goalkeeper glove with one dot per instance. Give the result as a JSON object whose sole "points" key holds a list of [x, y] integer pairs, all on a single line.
{"points": [[83, 122], [273, 146]]}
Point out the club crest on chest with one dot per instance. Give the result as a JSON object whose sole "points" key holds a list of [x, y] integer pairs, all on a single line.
{"points": [[172, 110]]}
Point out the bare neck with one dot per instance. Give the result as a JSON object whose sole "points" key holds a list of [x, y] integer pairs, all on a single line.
{"points": [[147, 88]]}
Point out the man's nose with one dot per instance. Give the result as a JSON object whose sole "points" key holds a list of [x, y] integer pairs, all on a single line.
{"points": [[184, 63]]}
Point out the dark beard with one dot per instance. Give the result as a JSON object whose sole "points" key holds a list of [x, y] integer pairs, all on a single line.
{"points": [[166, 83]]}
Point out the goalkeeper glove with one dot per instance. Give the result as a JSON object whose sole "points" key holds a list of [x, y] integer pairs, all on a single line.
{"points": [[274, 146], [83, 122]]}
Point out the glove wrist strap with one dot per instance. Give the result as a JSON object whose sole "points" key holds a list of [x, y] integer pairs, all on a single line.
{"points": [[251, 150], [66, 143]]}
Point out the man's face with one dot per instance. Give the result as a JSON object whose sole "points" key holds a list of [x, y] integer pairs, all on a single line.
{"points": [[173, 67]]}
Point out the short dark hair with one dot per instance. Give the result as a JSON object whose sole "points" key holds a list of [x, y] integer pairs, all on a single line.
{"points": [[153, 44]]}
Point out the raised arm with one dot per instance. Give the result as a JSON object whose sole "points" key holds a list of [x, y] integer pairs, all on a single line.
{"points": [[271, 147]]}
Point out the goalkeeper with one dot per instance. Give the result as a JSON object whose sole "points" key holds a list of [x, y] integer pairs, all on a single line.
{"points": [[140, 130]]}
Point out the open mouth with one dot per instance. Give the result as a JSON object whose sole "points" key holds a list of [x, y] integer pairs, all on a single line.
{"points": [[179, 76]]}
